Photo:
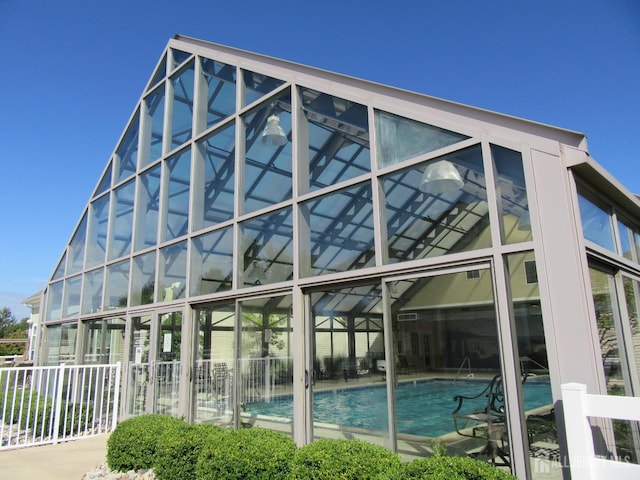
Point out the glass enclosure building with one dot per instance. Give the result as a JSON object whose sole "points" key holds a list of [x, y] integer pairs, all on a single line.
{"points": [[279, 246]]}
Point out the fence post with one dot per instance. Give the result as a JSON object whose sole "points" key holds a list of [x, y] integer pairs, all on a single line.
{"points": [[578, 431], [116, 396], [58, 405]]}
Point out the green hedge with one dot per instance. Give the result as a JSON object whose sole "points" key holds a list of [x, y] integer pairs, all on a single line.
{"points": [[180, 451], [329, 459], [451, 468], [133, 443], [246, 454], [179, 448]]}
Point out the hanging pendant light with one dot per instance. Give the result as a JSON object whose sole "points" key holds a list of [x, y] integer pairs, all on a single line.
{"points": [[273, 134], [441, 177]]}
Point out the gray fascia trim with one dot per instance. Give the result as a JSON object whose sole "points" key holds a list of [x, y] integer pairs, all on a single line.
{"points": [[290, 69], [593, 174]]}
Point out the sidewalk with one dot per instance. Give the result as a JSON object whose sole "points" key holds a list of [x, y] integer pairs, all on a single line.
{"points": [[65, 461]]}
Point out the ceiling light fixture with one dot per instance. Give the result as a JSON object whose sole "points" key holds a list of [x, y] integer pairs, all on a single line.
{"points": [[273, 134], [441, 177]]}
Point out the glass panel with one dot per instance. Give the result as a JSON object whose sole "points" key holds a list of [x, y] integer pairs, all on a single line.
{"points": [[105, 183], [104, 341], [54, 301], [258, 85], [214, 364], [602, 285], [148, 206], [215, 178], [267, 246], [447, 349], [127, 152], [153, 132], [178, 57], [221, 90], [422, 224], [138, 381], [75, 260], [512, 191], [98, 229], [59, 272], [626, 239], [177, 205], [182, 112], [172, 279], [632, 297], [267, 166], [72, 289], [538, 402], [266, 364], [349, 393], [122, 224], [340, 232], [117, 285], [60, 344], [92, 291], [596, 223], [167, 366], [212, 262], [160, 72], [143, 279], [400, 138], [338, 133]]}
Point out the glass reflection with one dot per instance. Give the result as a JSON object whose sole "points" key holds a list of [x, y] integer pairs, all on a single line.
{"points": [[421, 225], [182, 111], [338, 134], [167, 365], [92, 291], [122, 224], [258, 85], [214, 364], [148, 205], [340, 233], [267, 178], [60, 344], [127, 152], [98, 230], [348, 389], [72, 290], [267, 246], [596, 223], [212, 262], [176, 210], [215, 178], [143, 279], [104, 341], [400, 138], [514, 206], [75, 260], [221, 90], [117, 285], [172, 279], [154, 124]]}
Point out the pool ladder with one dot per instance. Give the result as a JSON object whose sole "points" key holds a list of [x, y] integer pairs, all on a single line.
{"points": [[466, 360]]}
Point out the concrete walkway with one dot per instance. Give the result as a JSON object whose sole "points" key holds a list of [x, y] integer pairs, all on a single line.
{"points": [[65, 461]]}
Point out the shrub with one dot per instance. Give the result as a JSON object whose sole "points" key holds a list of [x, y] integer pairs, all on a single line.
{"points": [[329, 459], [451, 468], [133, 443], [246, 454], [179, 448]]}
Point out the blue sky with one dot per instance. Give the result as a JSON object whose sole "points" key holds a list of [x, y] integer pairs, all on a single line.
{"points": [[72, 72]]}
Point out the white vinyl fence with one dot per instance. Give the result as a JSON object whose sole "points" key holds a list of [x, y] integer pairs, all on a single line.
{"points": [[41, 405], [578, 408]]}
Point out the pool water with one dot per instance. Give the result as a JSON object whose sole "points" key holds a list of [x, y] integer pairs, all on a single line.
{"points": [[424, 407]]}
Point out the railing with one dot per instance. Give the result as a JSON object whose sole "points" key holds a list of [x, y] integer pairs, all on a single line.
{"points": [[467, 361], [578, 407], [42, 405]]}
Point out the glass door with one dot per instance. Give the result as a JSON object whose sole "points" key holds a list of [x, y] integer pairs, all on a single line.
{"points": [[348, 364], [154, 364]]}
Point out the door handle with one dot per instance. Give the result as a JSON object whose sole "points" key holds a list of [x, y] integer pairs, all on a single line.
{"points": [[306, 379]]}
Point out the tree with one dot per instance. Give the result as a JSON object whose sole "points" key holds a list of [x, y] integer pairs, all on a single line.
{"points": [[11, 328]]}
